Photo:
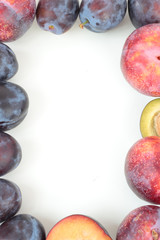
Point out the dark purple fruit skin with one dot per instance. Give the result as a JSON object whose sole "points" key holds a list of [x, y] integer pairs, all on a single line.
{"points": [[10, 153], [8, 63], [143, 12], [102, 14], [13, 105], [10, 199], [143, 223], [22, 227], [57, 16]]}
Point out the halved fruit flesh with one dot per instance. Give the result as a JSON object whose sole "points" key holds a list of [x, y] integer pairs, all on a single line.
{"points": [[150, 119], [78, 227]]}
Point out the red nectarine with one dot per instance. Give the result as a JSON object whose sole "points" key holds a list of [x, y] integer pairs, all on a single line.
{"points": [[142, 169], [142, 223], [140, 61], [16, 16]]}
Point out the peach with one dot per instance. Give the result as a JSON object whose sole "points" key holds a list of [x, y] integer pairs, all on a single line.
{"points": [[77, 227], [140, 60], [16, 17], [142, 169]]}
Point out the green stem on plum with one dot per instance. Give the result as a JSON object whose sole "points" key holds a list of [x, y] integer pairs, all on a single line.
{"points": [[84, 23], [51, 27]]}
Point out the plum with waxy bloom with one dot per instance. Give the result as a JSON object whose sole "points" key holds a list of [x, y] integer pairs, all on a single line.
{"points": [[143, 12], [101, 15], [57, 16], [8, 63], [22, 227], [14, 105], [10, 153], [10, 199]]}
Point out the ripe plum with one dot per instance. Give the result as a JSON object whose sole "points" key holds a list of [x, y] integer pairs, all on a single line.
{"points": [[22, 227], [57, 16], [142, 169], [16, 17], [13, 105], [140, 59], [143, 12], [142, 223], [8, 63], [101, 15], [10, 199], [10, 153]]}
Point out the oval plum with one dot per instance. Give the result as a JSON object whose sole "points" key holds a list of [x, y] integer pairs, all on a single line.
{"points": [[10, 199], [8, 63], [57, 16], [13, 105], [22, 227], [10, 153], [101, 15], [143, 12]]}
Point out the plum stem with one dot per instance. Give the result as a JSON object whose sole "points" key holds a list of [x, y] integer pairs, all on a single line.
{"points": [[84, 23], [51, 27]]}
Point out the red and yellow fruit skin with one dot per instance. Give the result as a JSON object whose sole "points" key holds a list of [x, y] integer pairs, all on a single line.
{"points": [[77, 227], [16, 16], [140, 60], [142, 169], [142, 223]]}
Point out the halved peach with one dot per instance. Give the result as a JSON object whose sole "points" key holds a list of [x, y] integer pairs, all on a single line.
{"points": [[78, 227]]}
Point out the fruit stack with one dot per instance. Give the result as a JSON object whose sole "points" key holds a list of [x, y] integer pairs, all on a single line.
{"points": [[15, 18], [140, 65], [13, 109]]}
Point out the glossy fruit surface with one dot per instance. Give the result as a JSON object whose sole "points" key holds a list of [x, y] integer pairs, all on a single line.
{"points": [[13, 105], [57, 16], [78, 227], [140, 61], [150, 119], [8, 63], [22, 227], [10, 153], [142, 169], [143, 12], [142, 223], [16, 17], [10, 199], [101, 15]]}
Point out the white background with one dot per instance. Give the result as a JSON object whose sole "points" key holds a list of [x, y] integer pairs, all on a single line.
{"points": [[83, 118]]}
